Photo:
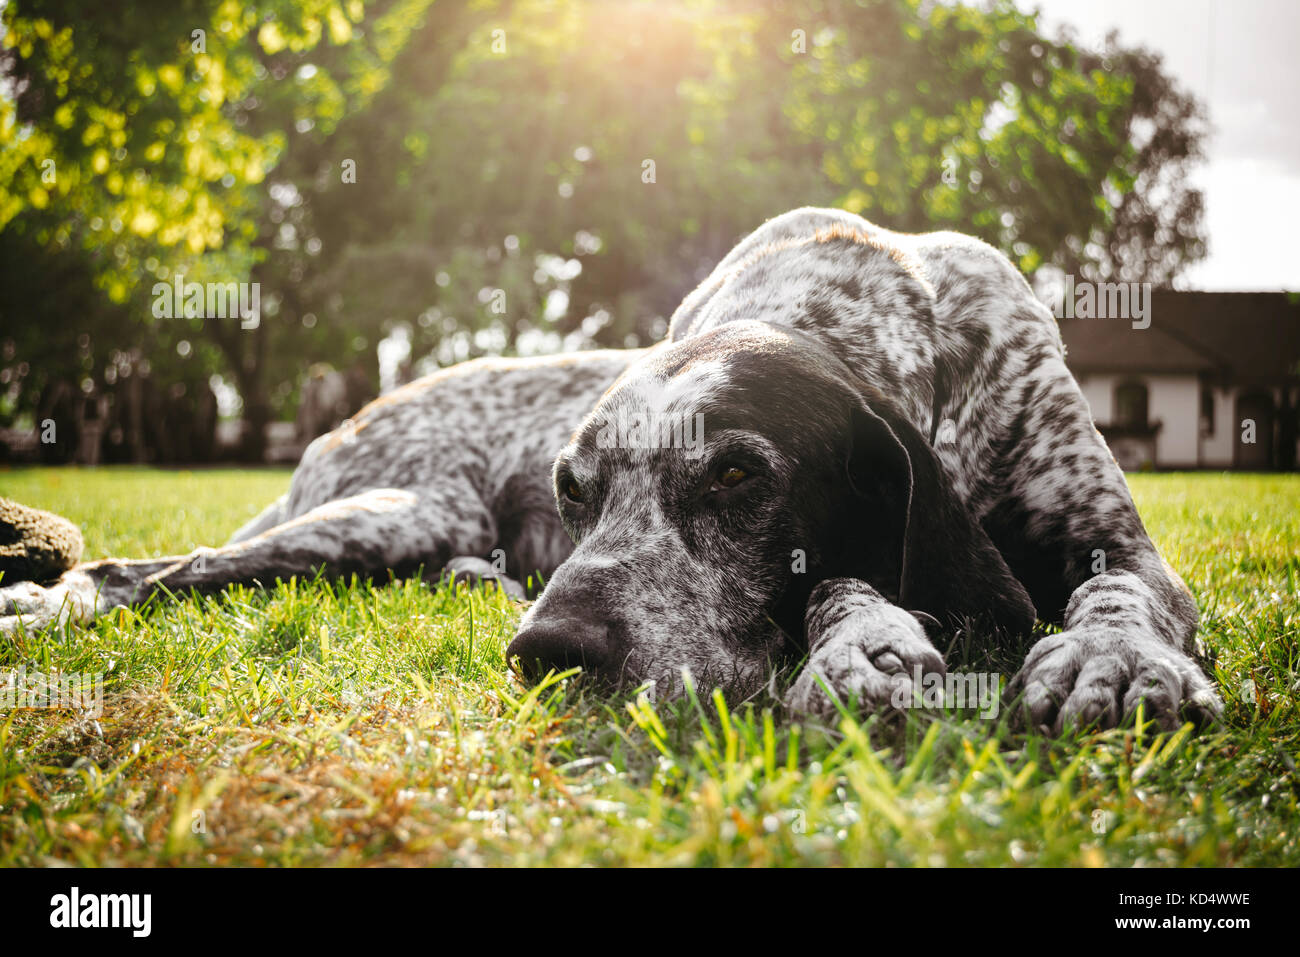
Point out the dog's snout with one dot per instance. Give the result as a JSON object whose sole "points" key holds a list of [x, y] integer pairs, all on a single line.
{"points": [[558, 644]]}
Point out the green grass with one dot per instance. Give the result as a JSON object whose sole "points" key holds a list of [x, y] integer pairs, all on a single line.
{"points": [[353, 724]]}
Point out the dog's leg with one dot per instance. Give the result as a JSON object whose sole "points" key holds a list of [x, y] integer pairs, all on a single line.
{"points": [[863, 648], [1067, 526], [364, 534], [266, 519], [474, 571]]}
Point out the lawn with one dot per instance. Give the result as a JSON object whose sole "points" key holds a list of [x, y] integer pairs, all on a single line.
{"points": [[357, 724]]}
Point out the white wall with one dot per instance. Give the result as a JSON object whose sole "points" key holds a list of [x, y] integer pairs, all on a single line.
{"points": [[1173, 400], [1176, 402], [1099, 390]]}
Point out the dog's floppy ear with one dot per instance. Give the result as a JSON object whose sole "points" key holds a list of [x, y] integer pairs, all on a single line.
{"points": [[922, 535]]}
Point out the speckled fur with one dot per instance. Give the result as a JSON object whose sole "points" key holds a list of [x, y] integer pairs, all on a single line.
{"points": [[941, 329], [437, 474], [912, 429]]}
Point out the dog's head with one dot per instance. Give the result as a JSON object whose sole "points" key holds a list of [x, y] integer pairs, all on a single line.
{"points": [[715, 485]]}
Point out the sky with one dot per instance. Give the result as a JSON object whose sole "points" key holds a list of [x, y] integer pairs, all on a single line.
{"points": [[1240, 59]]}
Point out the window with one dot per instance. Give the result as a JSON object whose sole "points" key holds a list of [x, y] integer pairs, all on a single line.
{"points": [[1131, 405], [1207, 412]]}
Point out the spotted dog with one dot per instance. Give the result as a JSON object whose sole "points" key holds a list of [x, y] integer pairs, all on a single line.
{"points": [[892, 446]]}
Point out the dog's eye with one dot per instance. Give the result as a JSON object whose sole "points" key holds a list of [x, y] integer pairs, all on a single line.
{"points": [[729, 476], [571, 491]]}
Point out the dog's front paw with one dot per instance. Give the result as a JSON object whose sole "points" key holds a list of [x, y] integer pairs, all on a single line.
{"points": [[866, 652], [1097, 677]]}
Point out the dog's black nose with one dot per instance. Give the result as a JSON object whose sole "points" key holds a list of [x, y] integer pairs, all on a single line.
{"points": [[559, 644]]}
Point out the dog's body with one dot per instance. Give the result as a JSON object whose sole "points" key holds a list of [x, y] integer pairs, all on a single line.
{"points": [[891, 428]]}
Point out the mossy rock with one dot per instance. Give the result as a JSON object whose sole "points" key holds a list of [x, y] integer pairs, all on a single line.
{"points": [[35, 545]]}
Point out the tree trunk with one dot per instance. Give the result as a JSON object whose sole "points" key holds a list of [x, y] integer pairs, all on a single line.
{"points": [[245, 350], [252, 389]]}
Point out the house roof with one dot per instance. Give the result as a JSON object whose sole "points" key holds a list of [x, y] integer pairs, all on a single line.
{"points": [[1233, 337]]}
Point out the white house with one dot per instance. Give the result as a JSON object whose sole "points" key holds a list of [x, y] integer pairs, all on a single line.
{"points": [[1212, 382]]}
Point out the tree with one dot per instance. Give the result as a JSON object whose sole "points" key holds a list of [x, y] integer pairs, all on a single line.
{"points": [[529, 176], [138, 141]]}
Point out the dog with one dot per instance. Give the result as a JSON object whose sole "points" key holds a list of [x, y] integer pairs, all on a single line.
{"points": [[891, 446]]}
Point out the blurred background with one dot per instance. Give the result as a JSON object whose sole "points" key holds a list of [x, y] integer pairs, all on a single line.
{"points": [[411, 184]]}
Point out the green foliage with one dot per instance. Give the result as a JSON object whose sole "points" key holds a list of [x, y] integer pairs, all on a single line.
{"points": [[501, 199], [346, 724]]}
